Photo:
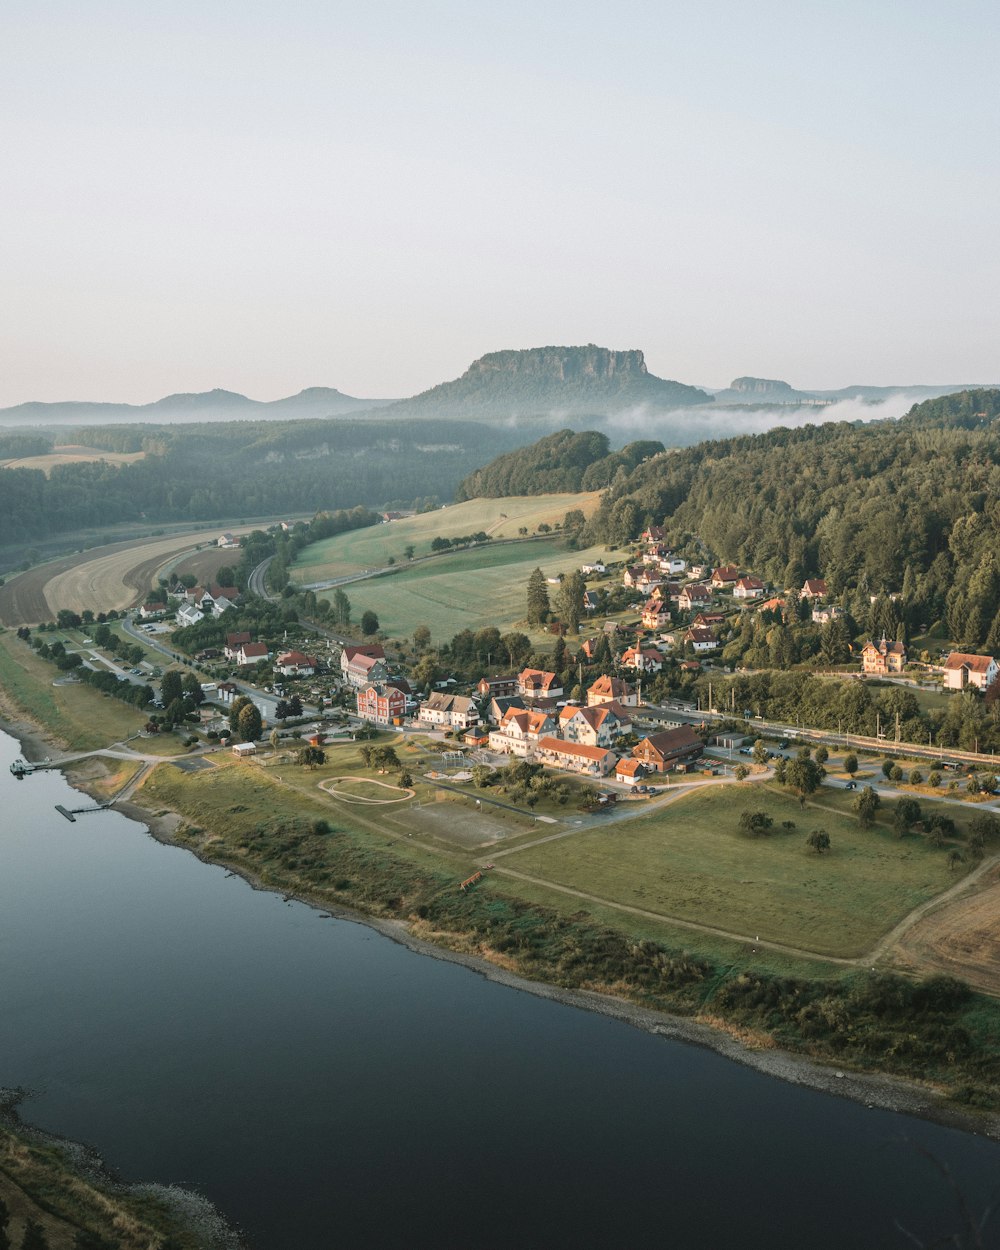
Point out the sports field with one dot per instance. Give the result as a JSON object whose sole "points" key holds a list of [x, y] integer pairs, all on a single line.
{"points": [[690, 862], [372, 548], [467, 590]]}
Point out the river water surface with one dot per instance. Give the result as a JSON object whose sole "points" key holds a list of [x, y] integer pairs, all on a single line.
{"points": [[324, 1085]]}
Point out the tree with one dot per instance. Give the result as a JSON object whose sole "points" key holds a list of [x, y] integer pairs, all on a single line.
{"points": [[282, 710], [4, 1217], [819, 840], [755, 824], [294, 706], [171, 686], [239, 703], [421, 637], [887, 767], [866, 805], [483, 775], [805, 776], [369, 623], [33, 1237], [955, 857], [192, 689], [934, 778], [86, 1240], [538, 607], [916, 777], [311, 757], [341, 608], [569, 600], [905, 815], [822, 754], [408, 551], [741, 772], [405, 780], [760, 751], [518, 647], [559, 655], [850, 764], [275, 739], [250, 724]]}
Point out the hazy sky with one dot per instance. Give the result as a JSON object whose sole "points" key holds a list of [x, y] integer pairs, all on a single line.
{"points": [[265, 196]]}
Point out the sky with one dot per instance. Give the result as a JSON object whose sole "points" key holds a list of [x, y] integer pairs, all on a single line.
{"points": [[266, 196]]}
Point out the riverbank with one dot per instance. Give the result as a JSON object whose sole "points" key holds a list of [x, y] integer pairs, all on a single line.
{"points": [[748, 1046]]}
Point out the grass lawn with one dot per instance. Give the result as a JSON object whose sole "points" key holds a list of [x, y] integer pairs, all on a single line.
{"points": [[689, 861], [467, 590], [83, 718], [371, 548]]}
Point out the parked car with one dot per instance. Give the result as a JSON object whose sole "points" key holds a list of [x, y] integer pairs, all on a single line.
{"points": [[852, 785]]}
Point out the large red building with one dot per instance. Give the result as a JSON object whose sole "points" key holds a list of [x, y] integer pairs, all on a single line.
{"points": [[381, 704]]}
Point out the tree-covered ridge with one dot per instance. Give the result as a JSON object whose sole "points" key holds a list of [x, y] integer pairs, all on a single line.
{"points": [[205, 472], [911, 506], [557, 464]]}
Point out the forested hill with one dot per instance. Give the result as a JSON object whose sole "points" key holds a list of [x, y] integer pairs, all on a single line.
{"points": [[542, 381], [205, 472], [910, 506], [560, 462]]}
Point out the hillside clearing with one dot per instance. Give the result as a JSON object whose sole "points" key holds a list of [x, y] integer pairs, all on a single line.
{"points": [[373, 547]]}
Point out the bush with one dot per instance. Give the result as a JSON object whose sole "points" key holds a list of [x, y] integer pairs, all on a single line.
{"points": [[755, 824]]}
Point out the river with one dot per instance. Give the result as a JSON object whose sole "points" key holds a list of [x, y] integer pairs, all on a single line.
{"points": [[324, 1085]]}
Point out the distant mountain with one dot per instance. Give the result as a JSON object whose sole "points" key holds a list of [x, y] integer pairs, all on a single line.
{"points": [[217, 405], [551, 381], [772, 393]]}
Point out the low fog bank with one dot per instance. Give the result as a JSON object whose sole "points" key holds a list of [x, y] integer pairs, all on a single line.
{"points": [[686, 426]]}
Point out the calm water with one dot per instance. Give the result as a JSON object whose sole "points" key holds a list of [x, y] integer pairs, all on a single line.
{"points": [[323, 1085]]}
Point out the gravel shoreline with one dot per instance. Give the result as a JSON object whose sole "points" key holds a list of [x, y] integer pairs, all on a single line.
{"points": [[886, 1092]]}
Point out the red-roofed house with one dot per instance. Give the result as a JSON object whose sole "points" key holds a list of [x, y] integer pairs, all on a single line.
{"points": [[597, 726], [880, 658], [961, 671], [535, 683], [701, 639], [727, 575], [748, 588], [251, 653], [612, 689], [630, 771], [361, 665], [642, 660], [660, 751], [697, 595], [233, 643], [295, 664], [576, 757], [655, 614], [520, 731], [381, 705], [814, 588]]}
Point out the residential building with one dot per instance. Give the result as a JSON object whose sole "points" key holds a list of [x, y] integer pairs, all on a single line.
{"points": [[631, 576], [775, 604], [630, 770], [589, 569], [672, 565], [831, 612], [597, 726], [814, 588], [520, 732], [242, 749], [151, 609], [661, 751], [189, 614], [655, 613], [748, 588], [725, 576], [452, 711], [296, 664], [251, 653], [576, 757], [881, 658], [361, 665], [233, 644], [612, 689], [227, 540], [535, 683], [497, 687], [653, 534], [591, 600], [695, 596], [701, 639], [498, 706], [709, 620], [642, 659], [380, 705], [962, 671]]}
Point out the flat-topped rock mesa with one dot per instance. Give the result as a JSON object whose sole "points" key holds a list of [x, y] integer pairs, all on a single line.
{"points": [[541, 380]]}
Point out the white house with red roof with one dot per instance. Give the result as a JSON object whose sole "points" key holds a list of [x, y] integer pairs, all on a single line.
{"points": [[695, 596], [813, 588], [643, 659], [251, 653], [520, 731], [296, 664], [536, 683], [597, 726], [360, 665], [748, 588], [725, 575], [962, 671], [612, 689]]}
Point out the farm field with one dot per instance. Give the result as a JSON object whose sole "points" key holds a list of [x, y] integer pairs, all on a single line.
{"points": [[116, 576], [690, 862], [467, 590], [960, 938], [371, 548], [71, 453]]}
